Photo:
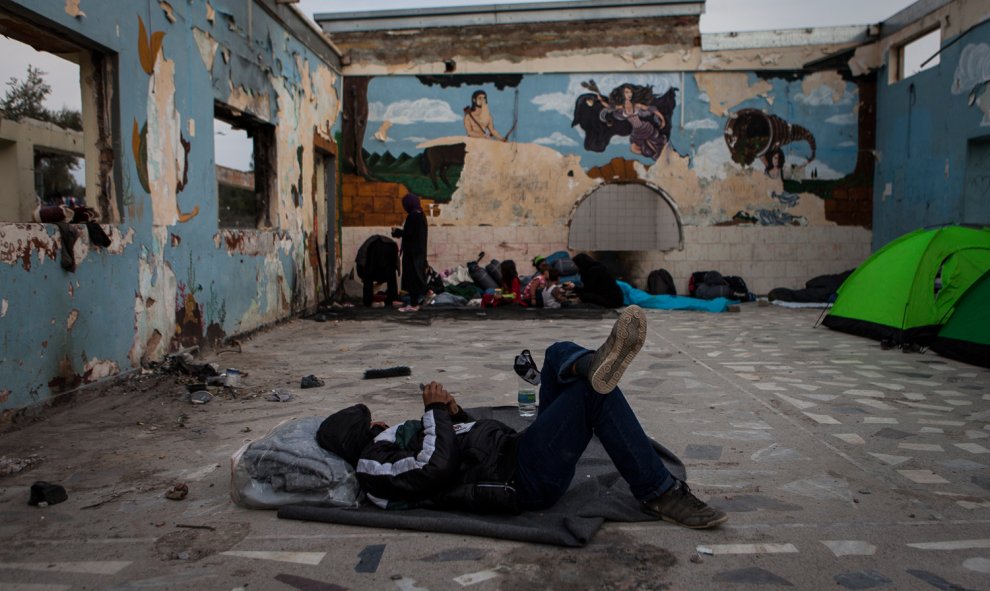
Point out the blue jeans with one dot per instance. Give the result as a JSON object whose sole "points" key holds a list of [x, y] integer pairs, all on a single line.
{"points": [[571, 412]]}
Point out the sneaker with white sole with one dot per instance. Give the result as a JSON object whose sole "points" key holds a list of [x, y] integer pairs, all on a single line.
{"points": [[620, 348], [679, 505]]}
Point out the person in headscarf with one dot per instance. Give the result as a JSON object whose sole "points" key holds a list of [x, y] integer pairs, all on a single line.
{"points": [[598, 285], [414, 235]]}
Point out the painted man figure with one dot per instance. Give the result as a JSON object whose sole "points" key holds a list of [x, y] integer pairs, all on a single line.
{"points": [[478, 120]]}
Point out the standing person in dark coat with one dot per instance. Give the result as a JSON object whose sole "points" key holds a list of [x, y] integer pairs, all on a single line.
{"points": [[598, 284], [414, 235]]}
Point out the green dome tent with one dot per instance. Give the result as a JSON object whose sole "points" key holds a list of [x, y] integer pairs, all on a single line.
{"points": [[893, 296], [966, 336]]}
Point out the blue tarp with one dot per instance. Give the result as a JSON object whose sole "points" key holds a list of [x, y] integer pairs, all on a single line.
{"points": [[631, 295]]}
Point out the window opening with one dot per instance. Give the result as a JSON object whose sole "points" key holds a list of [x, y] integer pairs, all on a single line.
{"points": [[244, 158], [919, 54], [54, 123]]}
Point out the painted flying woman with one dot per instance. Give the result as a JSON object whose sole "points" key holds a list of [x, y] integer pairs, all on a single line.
{"points": [[632, 103], [630, 110]]}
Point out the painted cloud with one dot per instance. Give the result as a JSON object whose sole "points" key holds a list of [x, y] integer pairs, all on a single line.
{"points": [[702, 124], [405, 112], [556, 139], [563, 102], [821, 96], [972, 69]]}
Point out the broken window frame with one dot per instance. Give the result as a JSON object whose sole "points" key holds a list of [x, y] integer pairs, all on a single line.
{"points": [[99, 108], [264, 155], [898, 53]]}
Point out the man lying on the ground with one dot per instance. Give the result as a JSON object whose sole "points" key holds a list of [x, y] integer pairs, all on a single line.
{"points": [[448, 460]]}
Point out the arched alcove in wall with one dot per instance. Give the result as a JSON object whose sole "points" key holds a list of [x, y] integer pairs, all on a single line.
{"points": [[625, 217]]}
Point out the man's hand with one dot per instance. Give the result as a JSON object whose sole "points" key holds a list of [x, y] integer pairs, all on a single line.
{"points": [[434, 393]]}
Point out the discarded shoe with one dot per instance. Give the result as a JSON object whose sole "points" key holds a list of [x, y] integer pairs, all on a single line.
{"points": [[48, 493], [310, 381], [620, 348], [525, 367], [679, 505]]}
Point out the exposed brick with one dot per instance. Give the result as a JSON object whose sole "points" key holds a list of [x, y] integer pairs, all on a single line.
{"points": [[352, 219], [364, 205], [366, 189], [374, 219], [382, 204]]}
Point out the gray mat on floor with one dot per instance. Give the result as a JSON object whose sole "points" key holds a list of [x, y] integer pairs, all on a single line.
{"points": [[598, 494]]}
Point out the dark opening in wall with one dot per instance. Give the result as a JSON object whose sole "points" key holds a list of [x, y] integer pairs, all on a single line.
{"points": [[56, 137], [244, 154]]}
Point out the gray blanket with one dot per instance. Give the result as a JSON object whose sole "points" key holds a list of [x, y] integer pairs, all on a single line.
{"points": [[597, 494]]}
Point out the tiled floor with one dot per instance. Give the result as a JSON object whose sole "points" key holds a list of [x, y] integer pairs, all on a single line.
{"points": [[840, 464]]}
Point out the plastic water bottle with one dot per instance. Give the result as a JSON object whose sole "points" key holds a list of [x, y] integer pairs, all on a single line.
{"points": [[527, 399]]}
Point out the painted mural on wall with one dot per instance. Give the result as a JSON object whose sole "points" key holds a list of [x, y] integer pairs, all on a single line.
{"points": [[972, 77], [629, 110], [729, 147], [752, 134]]}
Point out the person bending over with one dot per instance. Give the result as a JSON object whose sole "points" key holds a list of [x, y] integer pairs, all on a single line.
{"points": [[448, 460]]}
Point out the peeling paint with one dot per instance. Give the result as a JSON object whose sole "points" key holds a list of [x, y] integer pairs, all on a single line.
{"points": [[829, 79], [211, 14], [271, 300], [207, 48], [242, 99], [118, 241], [716, 188], [156, 283], [168, 10], [166, 156], [19, 241], [249, 243], [543, 191], [73, 9], [3, 307], [71, 320], [4, 395], [728, 89], [97, 369]]}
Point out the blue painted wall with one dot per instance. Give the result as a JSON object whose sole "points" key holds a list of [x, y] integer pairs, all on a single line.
{"points": [[172, 276], [924, 127]]}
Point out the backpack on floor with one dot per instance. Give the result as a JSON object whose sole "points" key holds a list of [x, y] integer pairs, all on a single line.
{"points": [[659, 282], [712, 286], [696, 279], [738, 286]]}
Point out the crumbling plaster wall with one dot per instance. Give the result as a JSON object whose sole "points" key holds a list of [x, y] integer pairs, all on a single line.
{"points": [[515, 199], [926, 125], [172, 277]]}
